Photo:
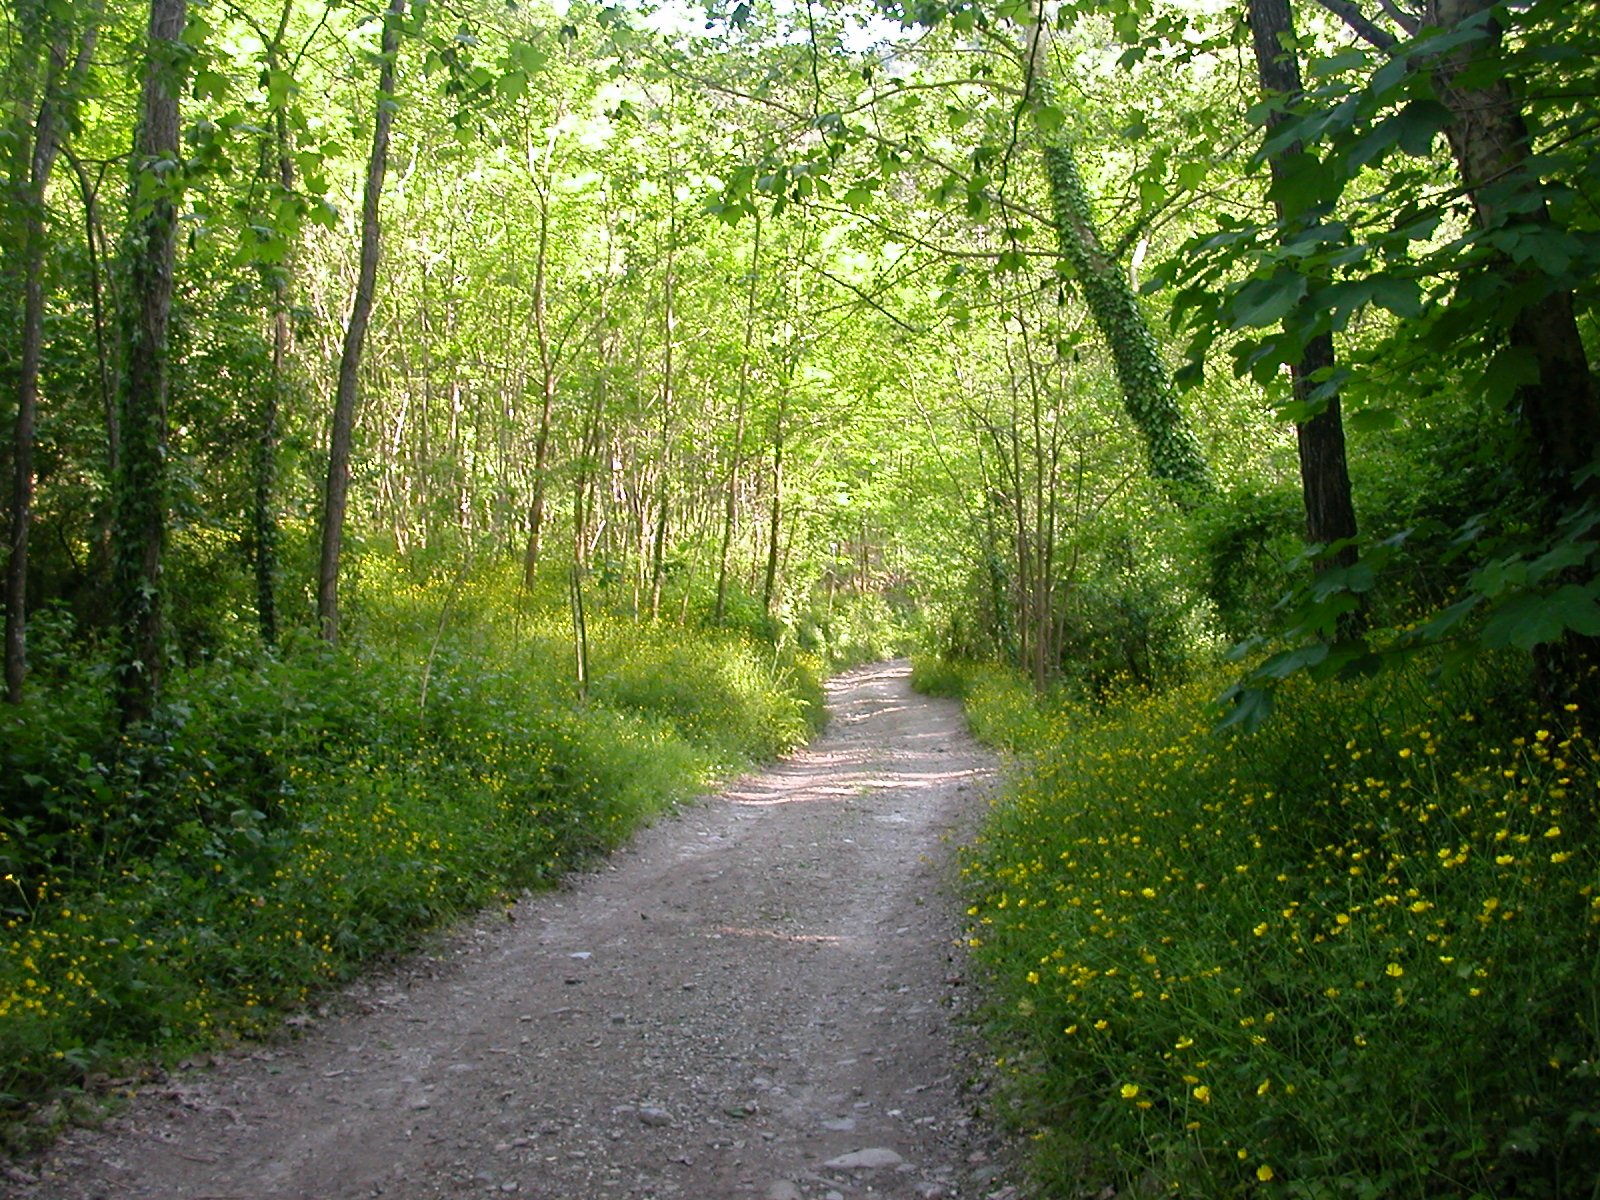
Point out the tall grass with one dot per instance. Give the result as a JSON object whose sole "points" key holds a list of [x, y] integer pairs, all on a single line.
{"points": [[291, 816], [1354, 954]]}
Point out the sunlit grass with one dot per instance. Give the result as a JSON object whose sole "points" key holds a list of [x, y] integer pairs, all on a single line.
{"points": [[1357, 953]]}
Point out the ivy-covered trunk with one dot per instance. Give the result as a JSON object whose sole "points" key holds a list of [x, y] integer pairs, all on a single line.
{"points": [[1148, 394], [139, 532]]}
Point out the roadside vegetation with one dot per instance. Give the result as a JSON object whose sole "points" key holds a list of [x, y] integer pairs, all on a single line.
{"points": [[437, 437], [1355, 953], [291, 817]]}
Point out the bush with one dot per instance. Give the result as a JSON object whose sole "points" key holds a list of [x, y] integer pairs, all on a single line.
{"points": [[1353, 954]]}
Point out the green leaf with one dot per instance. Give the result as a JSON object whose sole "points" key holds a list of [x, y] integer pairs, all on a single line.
{"points": [[528, 57], [1048, 117], [1418, 124], [1337, 64], [1372, 420], [861, 192], [1287, 662], [1246, 708], [210, 85], [1304, 181], [1265, 301], [1527, 619], [1512, 367], [1447, 620], [1192, 174], [513, 85], [1402, 297], [1357, 578]]}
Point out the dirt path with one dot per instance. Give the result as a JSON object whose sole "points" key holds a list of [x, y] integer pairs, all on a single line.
{"points": [[757, 998]]}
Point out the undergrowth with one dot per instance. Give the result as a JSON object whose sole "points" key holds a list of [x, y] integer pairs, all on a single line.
{"points": [[289, 816], [1356, 954]]}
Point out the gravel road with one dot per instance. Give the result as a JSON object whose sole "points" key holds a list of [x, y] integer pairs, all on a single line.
{"points": [[759, 997]]}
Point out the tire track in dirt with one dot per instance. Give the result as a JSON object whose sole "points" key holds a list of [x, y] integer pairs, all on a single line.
{"points": [[755, 988]]}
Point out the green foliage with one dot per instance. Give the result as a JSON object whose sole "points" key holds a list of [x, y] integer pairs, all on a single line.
{"points": [[736, 700], [288, 818], [1248, 536], [1002, 707], [1539, 595], [1352, 954], [852, 629]]}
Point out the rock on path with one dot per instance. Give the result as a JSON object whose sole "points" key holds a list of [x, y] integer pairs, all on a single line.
{"points": [[756, 998]]}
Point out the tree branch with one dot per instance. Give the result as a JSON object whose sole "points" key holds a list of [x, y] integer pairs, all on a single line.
{"points": [[1410, 22], [1352, 16]]}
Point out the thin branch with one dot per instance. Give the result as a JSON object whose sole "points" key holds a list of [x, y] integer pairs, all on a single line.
{"points": [[865, 134]]}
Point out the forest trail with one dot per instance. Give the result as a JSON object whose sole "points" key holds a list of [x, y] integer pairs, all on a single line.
{"points": [[756, 988]]}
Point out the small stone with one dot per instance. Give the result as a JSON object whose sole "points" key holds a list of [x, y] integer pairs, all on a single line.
{"points": [[654, 1117], [840, 1124], [865, 1160], [782, 1189]]}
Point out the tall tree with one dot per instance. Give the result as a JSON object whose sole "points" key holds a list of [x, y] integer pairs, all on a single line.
{"points": [[1490, 141], [1324, 472], [63, 75], [140, 527], [730, 504], [336, 494]]}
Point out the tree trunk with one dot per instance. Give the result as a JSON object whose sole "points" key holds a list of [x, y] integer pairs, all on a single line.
{"points": [[1489, 138], [542, 178], [669, 322], [277, 161], [775, 522], [337, 494], [60, 86], [1324, 472], [547, 395], [140, 528], [730, 509]]}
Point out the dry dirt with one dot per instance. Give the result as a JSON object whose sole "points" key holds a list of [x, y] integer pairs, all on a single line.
{"points": [[760, 997]]}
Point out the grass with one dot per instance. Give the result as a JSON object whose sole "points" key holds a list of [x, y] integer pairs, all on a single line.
{"points": [[1354, 954], [289, 817]]}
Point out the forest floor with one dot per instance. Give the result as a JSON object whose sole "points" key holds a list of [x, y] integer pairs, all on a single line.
{"points": [[760, 996]]}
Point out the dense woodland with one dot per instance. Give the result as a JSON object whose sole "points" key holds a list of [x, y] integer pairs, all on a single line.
{"points": [[525, 404]]}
